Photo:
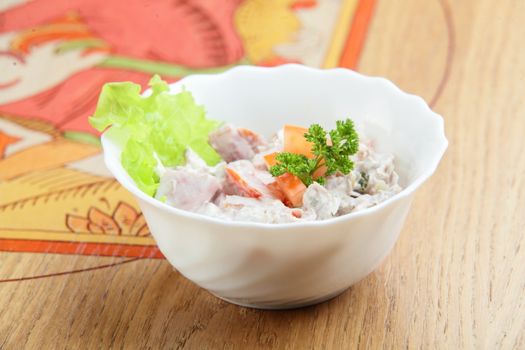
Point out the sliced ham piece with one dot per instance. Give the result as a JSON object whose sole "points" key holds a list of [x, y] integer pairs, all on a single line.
{"points": [[235, 144], [187, 188]]}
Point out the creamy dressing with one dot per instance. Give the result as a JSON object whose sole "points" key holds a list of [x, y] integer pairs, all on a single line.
{"points": [[241, 190]]}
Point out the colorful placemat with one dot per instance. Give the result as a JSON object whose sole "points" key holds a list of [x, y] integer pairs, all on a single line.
{"points": [[55, 194]]}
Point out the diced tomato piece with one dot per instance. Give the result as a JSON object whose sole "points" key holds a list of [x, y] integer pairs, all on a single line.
{"points": [[269, 159], [246, 188], [294, 141], [291, 186], [276, 191]]}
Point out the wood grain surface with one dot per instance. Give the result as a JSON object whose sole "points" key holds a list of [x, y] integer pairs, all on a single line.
{"points": [[455, 280]]}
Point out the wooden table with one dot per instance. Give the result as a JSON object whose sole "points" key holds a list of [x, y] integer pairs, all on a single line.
{"points": [[456, 278]]}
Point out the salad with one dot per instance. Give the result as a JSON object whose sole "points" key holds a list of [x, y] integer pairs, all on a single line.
{"points": [[177, 155]]}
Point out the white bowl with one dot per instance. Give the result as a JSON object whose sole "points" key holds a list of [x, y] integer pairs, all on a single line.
{"points": [[277, 266]]}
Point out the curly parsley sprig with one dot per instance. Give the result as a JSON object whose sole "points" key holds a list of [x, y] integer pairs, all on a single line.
{"points": [[335, 155]]}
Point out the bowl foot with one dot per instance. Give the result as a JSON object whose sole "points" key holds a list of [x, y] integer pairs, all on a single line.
{"points": [[283, 304]]}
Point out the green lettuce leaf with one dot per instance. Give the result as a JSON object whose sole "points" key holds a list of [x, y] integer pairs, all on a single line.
{"points": [[161, 123]]}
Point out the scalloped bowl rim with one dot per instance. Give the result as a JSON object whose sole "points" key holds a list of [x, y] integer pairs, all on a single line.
{"points": [[406, 192]]}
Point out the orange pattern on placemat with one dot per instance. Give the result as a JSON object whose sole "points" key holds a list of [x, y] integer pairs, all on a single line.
{"points": [[357, 34], [67, 28], [125, 220], [6, 140], [99, 249]]}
